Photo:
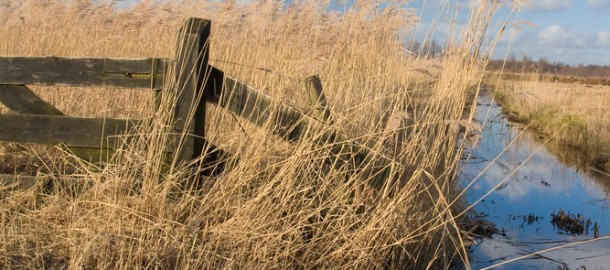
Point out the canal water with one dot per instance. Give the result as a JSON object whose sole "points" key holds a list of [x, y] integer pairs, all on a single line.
{"points": [[536, 202]]}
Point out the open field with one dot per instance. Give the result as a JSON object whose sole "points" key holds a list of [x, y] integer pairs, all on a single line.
{"points": [[576, 116], [276, 204], [550, 78]]}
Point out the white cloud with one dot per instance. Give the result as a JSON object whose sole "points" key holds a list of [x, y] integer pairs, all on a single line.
{"points": [[603, 39], [557, 36], [551, 5], [598, 3]]}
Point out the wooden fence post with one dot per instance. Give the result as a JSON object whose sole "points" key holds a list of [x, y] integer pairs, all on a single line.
{"points": [[317, 99], [190, 65]]}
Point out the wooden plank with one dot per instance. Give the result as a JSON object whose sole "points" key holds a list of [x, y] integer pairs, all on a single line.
{"points": [[71, 131], [20, 99], [190, 65], [202, 28], [258, 107], [292, 125], [317, 99], [85, 72]]}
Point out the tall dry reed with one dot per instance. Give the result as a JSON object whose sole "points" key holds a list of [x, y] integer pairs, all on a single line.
{"points": [[276, 205]]}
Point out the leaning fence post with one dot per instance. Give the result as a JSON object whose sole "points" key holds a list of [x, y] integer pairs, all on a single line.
{"points": [[317, 99], [190, 65]]}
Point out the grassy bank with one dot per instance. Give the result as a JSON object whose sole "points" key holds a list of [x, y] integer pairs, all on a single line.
{"points": [[575, 116], [276, 205], [551, 78]]}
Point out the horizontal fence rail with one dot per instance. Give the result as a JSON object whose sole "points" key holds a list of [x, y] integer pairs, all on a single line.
{"points": [[71, 131], [84, 72]]}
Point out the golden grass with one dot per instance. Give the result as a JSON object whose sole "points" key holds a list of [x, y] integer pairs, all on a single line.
{"points": [[552, 78], [277, 205], [576, 114]]}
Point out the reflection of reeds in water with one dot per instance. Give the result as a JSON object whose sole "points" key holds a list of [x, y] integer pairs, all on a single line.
{"points": [[277, 205]]}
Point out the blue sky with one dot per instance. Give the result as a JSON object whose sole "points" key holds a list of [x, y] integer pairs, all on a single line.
{"points": [[568, 31]]}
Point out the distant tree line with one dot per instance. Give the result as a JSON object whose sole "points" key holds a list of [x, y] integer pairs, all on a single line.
{"points": [[430, 49], [543, 66]]}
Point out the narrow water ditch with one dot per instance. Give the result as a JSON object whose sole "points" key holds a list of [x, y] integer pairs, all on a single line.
{"points": [[535, 201]]}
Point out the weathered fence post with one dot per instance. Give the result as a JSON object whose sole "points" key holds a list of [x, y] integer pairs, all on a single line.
{"points": [[317, 99], [191, 63]]}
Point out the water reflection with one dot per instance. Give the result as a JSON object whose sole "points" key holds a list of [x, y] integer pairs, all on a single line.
{"points": [[529, 186]]}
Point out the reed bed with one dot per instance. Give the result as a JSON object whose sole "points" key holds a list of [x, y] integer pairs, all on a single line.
{"points": [[276, 204]]}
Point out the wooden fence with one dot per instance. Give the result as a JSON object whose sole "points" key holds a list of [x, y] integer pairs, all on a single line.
{"points": [[39, 122]]}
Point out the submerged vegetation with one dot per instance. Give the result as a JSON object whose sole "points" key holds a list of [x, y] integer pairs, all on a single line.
{"points": [[276, 205], [574, 224]]}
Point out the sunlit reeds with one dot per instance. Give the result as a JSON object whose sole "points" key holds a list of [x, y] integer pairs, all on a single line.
{"points": [[276, 205]]}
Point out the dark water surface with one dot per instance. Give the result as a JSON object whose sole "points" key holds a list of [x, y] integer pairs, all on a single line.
{"points": [[536, 202]]}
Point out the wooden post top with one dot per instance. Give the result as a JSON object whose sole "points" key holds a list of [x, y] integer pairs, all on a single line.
{"points": [[195, 25]]}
